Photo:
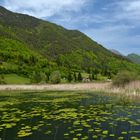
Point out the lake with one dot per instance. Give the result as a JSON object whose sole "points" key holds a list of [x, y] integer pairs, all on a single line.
{"points": [[67, 116]]}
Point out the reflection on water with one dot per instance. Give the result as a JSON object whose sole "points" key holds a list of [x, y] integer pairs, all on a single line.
{"points": [[66, 115]]}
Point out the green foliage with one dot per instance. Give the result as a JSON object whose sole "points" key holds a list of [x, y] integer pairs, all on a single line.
{"points": [[91, 77], [124, 77], [95, 73], [79, 77], [39, 77], [75, 76], [70, 78], [36, 77], [2, 79], [55, 77]]}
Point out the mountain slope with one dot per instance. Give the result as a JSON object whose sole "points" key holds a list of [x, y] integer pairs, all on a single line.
{"points": [[48, 47], [134, 58]]}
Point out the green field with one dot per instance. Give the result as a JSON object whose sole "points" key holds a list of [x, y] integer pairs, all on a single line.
{"points": [[15, 79]]}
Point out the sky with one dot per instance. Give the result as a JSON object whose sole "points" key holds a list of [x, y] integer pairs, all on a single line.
{"points": [[113, 23]]}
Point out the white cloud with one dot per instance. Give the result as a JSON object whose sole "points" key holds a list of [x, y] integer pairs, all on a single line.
{"points": [[132, 6], [44, 8], [129, 10]]}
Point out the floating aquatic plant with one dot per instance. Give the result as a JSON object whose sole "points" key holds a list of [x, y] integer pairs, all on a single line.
{"points": [[73, 115]]}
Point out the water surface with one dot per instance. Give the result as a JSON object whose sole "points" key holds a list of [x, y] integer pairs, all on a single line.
{"points": [[67, 116]]}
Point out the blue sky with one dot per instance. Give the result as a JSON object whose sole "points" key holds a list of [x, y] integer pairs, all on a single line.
{"points": [[113, 23]]}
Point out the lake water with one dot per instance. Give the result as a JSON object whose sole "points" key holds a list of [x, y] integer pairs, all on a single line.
{"points": [[67, 116]]}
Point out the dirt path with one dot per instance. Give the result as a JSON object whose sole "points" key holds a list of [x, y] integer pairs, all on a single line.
{"points": [[60, 87]]}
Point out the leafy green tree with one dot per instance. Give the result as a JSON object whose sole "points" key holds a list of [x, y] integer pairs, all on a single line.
{"points": [[2, 80], [70, 78], [90, 77], [80, 77], [55, 77], [109, 74], [47, 78], [89, 70], [32, 60], [36, 77], [75, 77], [43, 77], [93, 76], [95, 72]]}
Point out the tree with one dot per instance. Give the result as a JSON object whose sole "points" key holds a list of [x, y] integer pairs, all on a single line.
{"points": [[93, 76], [80, 77], [75, 77], [95, 72], [43, 77], [89, 70], [2, 80], [109, 74], [32, 60], [47, 78], [36, 77], [90, 77], [55, 77], [70, 77]]}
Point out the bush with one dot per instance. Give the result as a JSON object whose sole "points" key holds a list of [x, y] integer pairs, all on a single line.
{"points": [[36, 77], [55, 77], [124, 78]]}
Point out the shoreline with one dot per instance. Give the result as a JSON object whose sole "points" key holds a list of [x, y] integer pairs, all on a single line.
{"points": [[131, 90]]}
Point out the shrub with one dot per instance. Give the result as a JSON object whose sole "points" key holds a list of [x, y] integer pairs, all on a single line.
{"points": [[36, 77], [124, 77], [55, 77]]}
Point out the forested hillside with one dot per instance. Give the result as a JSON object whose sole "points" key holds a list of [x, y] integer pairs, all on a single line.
{"points": [[30, 46]]}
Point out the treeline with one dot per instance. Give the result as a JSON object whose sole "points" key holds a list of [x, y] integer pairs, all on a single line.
{"points": [[55, 77], [58, 77]]}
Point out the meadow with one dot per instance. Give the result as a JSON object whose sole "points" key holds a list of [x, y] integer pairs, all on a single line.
{"points": [[67, 115]]}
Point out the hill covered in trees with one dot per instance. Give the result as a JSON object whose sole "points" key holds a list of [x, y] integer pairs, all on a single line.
{"points": [[134, 58], [33, 47]]}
